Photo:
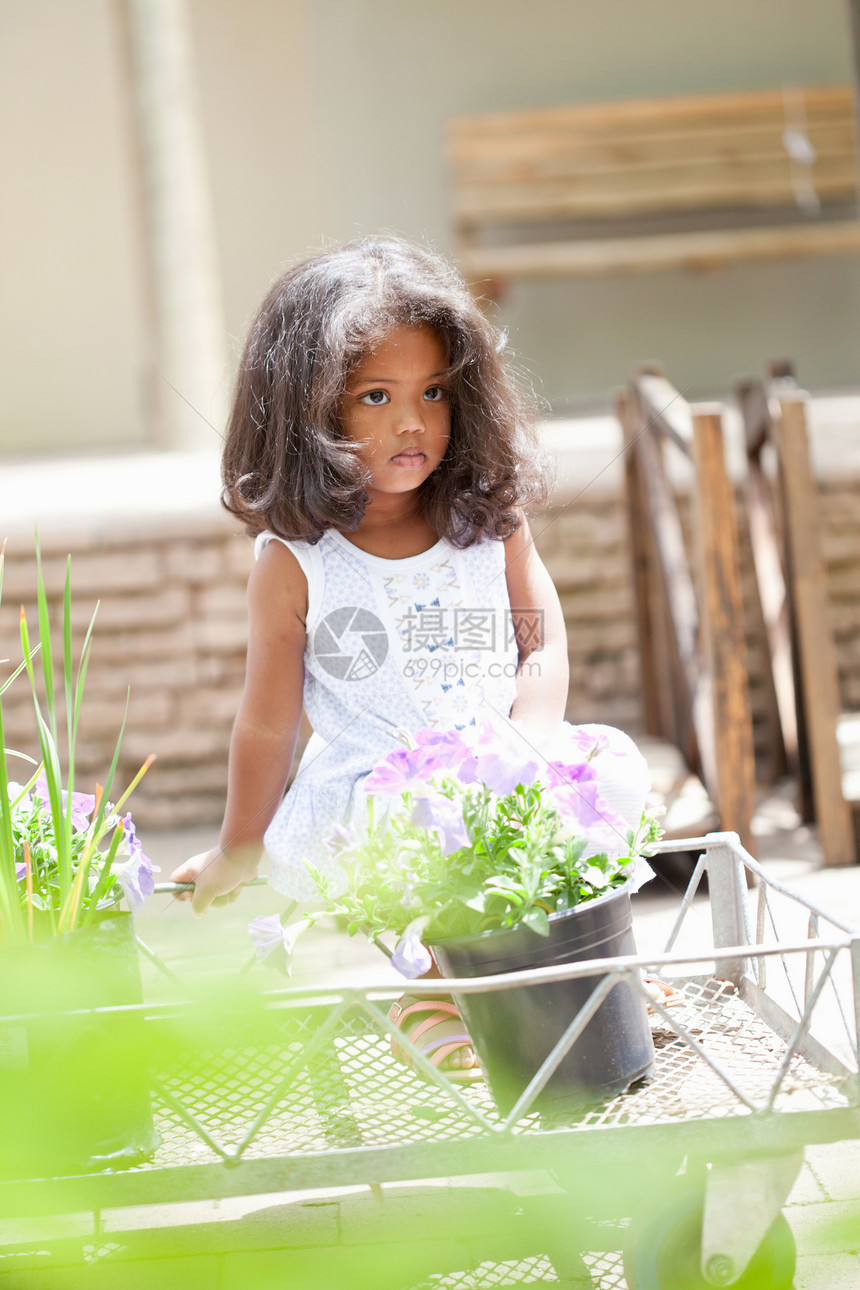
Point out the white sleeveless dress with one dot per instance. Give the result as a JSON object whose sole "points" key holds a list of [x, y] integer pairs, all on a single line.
{"points": [[427, 641]]}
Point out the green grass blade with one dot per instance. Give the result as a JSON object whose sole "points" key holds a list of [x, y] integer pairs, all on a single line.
{"points": [[68, 669], [12, 923], [98, 821], [31, 781], [105, 879], [82, 671], [11, 914], [98, 825], [18, 670], [53, 772], [67, 695], [45, 638]]}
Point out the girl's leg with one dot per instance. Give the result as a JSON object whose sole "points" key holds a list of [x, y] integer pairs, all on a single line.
{"points": [[436, 1027]]}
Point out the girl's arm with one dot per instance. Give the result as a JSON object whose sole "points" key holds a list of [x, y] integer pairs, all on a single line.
{"points": [[265, 730], [543, 672]]}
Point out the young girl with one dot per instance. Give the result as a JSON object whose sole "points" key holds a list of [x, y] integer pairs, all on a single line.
{"points": [[380, 453]]}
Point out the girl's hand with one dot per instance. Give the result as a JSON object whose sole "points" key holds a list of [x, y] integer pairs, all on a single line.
{"points": [[217, 875]]}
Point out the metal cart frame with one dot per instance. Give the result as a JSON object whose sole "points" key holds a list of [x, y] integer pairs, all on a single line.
{"points": [[756, 1058]]}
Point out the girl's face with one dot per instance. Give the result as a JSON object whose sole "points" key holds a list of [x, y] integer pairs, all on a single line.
{"points": [[396, 406]]}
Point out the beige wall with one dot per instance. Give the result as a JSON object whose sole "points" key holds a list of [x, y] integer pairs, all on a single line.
{"points": [[71, 325], [324, 118]]}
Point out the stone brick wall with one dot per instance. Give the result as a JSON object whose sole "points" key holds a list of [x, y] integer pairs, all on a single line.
{"points": [[171, 625]]}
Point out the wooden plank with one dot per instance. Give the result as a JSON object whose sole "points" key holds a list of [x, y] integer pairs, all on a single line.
{"points": [[537, 153], [722, 615], [673, 711], [854, 23], [667, 412], [815, 639], [780, 378], [606, 116], [626, 411], [751, 398], [646, 254], [683, 188], [552, 133], [677, 647], [770, 606], [669, 702]]}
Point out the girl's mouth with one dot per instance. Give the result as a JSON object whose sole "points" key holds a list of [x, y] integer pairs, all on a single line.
{"points": [[409, 458]]}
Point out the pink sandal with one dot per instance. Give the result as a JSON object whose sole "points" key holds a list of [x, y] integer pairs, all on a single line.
{"points": [[661, 991], [437, 1012]]}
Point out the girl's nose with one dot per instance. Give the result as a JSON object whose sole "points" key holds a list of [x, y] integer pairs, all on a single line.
{"points": [[411, 418]]}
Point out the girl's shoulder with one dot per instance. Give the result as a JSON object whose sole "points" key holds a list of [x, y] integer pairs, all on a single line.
{"points": [[267, 538], [309, 567], [277, 587]]}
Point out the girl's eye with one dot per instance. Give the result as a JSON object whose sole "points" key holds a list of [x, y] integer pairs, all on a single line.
{"points": [[436, 393], [374, 398]]}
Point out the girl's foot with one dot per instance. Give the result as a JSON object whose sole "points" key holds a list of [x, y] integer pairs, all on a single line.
{"points": [[661, 991], [435, 1027]]}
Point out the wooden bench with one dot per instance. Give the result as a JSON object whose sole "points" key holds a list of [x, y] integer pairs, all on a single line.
{"points": [[687, 592], [651, 184]]}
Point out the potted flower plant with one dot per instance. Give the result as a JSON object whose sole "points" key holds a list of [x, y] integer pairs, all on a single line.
{"points": [[73, 1089], [493, 857]]}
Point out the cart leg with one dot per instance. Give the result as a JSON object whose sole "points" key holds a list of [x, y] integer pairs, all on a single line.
{"points": [[331, 1098], [742, 1201]]}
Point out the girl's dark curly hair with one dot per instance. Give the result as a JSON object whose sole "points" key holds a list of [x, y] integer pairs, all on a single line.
{"points": [[287, 465]]}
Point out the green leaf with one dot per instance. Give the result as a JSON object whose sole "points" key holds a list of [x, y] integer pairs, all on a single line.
{"points": [[476, 902], [537, 920], [505, 883]]}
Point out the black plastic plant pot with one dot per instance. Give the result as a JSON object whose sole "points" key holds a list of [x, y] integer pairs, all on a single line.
{"points": [[74, 1088], [514, 1031]]}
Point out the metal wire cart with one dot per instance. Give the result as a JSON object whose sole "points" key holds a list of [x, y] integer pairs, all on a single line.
{"points": [[677, 1183]]}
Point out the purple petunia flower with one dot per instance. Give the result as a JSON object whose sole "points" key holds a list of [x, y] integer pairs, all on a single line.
{"points": [[83, 804], [507, 769], [135, 873], [445, 818], [340, 839], [273, 943], [622, 775], [401, 769], [448, 743], [582, 759], [411, 957], [582, 805], [499, 758], [561, 773], [20, 871], [589, 743]]}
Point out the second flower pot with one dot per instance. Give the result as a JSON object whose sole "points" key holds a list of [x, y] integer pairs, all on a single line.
{"points": [[74, 1088], [515, 1030]]}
